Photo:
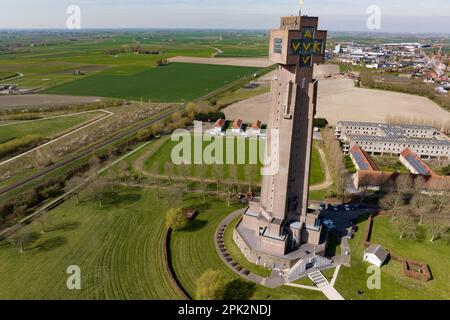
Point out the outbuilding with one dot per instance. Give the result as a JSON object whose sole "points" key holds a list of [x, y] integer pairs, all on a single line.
{"points": [[376, 255]]}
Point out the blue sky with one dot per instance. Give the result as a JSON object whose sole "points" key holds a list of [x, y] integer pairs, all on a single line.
{"points": [[336, 15]]}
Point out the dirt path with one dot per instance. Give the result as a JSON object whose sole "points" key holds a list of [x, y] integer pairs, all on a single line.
{"points": [[139, 165], [328, 178]]}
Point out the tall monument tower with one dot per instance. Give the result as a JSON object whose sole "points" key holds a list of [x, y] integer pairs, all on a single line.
{"points": [[278, 228]]}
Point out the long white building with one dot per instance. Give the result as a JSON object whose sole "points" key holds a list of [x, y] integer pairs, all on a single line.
{"points": [[380, 139]]}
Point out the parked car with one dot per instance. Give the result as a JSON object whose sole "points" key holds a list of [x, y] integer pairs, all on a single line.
{"points": [[347, 207]]}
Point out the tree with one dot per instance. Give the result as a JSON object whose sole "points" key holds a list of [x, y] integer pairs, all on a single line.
{"points": [[168, 169], [74, 184], [125, 169], [438, 219], [203, 184], [421, 203], [211, 285], [94, 162], [392, 202], [97, 188], [176, 219], [43, 220], [217, 171], [19, 239], [406, 225]]}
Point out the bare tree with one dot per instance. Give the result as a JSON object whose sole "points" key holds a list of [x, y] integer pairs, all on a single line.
{"points": [[217, 171], [19, 239], [438, 219], [74, 184], [168, 170], [125, 169], [406, 225]]}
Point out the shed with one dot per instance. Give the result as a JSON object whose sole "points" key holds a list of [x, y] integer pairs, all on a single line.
{"points": [[376, 255]]}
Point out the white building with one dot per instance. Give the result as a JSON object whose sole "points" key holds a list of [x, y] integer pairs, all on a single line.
{"points": [[380, 139], [376, 255]]}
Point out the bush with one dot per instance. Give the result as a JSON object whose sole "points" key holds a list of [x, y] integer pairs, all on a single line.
{"points": [[176, 219], [446, 171], [210, 116], [18, 144], [211, 285], [320, 122]]}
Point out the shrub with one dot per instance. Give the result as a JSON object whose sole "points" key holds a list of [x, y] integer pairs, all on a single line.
{"points": [[211, 285], [320, 122], [176, 219], [19, 143]]}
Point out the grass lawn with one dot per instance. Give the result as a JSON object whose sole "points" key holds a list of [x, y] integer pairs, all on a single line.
{"points": [[6, 75], [237, 255], [158, 163], [349, 164], [390, 164], [193, 252], [242, 94], [118, 248], [394, 285], [175, 82], [43, 128]]}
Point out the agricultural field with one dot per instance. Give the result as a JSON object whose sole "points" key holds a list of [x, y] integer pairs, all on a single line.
{"points": [[394, 285], [48, 59], [175, 82]]}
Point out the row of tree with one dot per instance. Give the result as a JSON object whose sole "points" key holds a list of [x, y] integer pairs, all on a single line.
{"points": [[411, 208]]}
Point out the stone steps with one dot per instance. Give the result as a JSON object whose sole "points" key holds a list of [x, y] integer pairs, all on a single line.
{"points": [[318, 279]]}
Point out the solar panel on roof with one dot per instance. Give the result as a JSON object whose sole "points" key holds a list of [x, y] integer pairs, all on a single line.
{"points": [[363, 165], [417, 164]]}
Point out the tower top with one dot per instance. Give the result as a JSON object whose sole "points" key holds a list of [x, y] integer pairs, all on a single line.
{"points": [[298, 42]]}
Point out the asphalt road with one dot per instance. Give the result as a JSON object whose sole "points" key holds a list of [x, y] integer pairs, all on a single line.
{"points": [[86, 152]]}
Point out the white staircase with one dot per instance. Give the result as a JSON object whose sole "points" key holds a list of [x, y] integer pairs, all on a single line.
{"points": [[318, 279]]}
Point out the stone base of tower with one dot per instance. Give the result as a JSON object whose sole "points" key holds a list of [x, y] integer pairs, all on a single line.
{"points": [[278, 244]]}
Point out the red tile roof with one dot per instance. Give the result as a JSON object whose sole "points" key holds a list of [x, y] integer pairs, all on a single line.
{"points": [[237, 124], [388, 180], [220, 123], [256, 125]]}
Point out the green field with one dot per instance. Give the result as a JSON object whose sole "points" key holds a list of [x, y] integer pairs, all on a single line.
{"points": [[394, 285], [175, 82], [193, 252], [119, 250], [6, 75], [44, 128], [157, 163], [111, 53]]}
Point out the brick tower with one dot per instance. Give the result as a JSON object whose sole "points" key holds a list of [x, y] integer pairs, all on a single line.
{"points": [[280, 223]]}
